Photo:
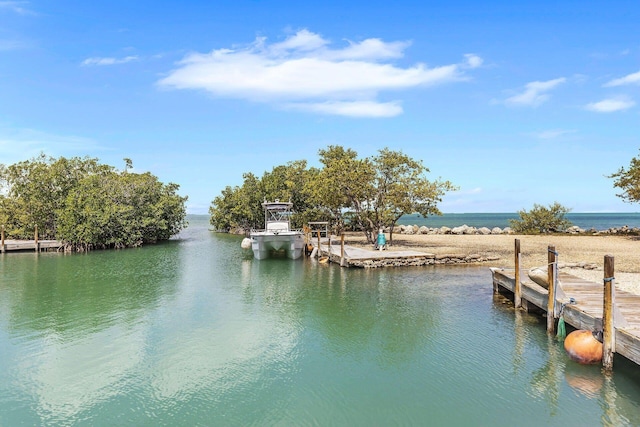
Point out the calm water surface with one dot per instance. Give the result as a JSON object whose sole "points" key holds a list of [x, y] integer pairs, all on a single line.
{"points": [[196, 332]]}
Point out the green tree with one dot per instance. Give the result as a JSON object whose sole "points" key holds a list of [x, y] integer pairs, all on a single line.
{"points": [[38, 187], [628, 180], [541, 219], [121, 210], [343, 188], [401, 188], [88, 204]]}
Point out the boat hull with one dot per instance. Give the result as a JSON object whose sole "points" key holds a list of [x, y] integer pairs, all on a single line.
{"points": [[266, 244]]}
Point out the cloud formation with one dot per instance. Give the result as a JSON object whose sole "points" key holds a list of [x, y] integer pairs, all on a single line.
{"points": [[535, 93], [108, 61], [633, 78], [304, 72], [611, 105]]}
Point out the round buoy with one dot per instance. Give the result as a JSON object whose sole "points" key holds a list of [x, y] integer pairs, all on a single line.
{"points": [[582, 347], [246, 243]]}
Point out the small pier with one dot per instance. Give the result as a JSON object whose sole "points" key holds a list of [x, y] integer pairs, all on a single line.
{"points": [[11, 245], [583, 304], [338, 252], [30, 245]]}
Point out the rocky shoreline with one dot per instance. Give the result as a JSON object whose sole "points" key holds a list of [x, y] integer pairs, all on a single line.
{"points": [[465, 229]]}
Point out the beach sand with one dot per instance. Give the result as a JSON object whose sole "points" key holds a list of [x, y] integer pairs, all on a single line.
{"points": [[581, 255]]}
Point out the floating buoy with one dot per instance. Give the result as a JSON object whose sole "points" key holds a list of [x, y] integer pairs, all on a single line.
{"points": [[323, 259], [246, 243], [582, 347]]}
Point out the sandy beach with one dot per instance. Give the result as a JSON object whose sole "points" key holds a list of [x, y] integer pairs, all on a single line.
{"points": [[581, 255]]}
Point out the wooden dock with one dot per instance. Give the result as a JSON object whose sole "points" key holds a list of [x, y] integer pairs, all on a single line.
{"points": [[583, 304], [351, 256]]}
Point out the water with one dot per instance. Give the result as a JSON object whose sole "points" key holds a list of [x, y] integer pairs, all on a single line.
{"points": [[598, 221], [195, 332]]}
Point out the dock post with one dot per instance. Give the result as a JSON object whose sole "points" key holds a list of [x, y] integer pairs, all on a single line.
{"points": [[517, 295], [609, 334], [35, 239], [2, 243], [319, 249], [342, 261], [552, 261]]}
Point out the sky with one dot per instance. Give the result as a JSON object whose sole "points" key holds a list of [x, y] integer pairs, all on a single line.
{"points": [[516, 103]]}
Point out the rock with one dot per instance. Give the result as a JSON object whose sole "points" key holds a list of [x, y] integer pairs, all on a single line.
{"points": [[484, 230], [423, 230], [460, 230], [444, 230], [496, 230]]}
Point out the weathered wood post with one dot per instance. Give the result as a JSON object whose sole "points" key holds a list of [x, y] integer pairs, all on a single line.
{"points": [[517, 297], [608, 333], [35, 238], [2, 237], [319, 250], [342, 250], [552, 260]]}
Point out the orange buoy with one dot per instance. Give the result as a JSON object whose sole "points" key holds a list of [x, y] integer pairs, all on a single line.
{"points": [[582, 347]]}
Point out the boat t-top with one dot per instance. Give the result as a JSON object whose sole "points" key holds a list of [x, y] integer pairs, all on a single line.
{"points": [[277, 235]]}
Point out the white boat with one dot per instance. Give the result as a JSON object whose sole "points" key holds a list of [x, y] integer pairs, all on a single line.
{"points": [[277, 235]]}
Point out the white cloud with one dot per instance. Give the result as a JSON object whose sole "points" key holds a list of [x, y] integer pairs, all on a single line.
{"points": [[305, 73], [611, 105], [108, 61], [473, 61], [535, 93], [633, 78]]}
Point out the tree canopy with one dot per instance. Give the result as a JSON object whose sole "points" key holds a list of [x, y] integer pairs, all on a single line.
{"points": [[87, 204], [363, 194], [628, 180]]}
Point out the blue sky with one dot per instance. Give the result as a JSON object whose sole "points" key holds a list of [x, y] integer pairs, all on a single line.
{"points": [[515, 102]]}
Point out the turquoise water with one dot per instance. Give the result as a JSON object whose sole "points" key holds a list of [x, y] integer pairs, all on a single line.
{"points": [[599, 221], [195, 332]]}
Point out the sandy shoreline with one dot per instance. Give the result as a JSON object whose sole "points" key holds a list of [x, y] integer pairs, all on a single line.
{"points": [[586, 251]]}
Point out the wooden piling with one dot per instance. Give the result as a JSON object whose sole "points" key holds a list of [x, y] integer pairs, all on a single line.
{"points": [[552, 259], [2, 242], [35, 239], [342, 260], [609, 336], [319, 250], [517, 296]]}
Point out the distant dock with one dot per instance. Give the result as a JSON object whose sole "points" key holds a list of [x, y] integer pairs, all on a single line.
{"points": [[30, 245]]}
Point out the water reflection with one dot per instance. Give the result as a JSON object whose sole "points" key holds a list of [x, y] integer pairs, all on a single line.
{"points": [[198, 333]]}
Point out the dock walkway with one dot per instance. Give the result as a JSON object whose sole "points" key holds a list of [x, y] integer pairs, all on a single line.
{"points": [[583, 306]]}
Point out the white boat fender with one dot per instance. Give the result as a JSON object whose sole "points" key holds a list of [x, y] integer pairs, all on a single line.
{"points": [[246, 243], [314, 252]]}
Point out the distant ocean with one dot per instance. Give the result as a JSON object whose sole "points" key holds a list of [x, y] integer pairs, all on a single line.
{"points": [[599, 221]]}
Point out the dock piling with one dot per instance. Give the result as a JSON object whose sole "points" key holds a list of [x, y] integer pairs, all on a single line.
{"points": [[552, 258], [517, 296], [608, 336]]}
